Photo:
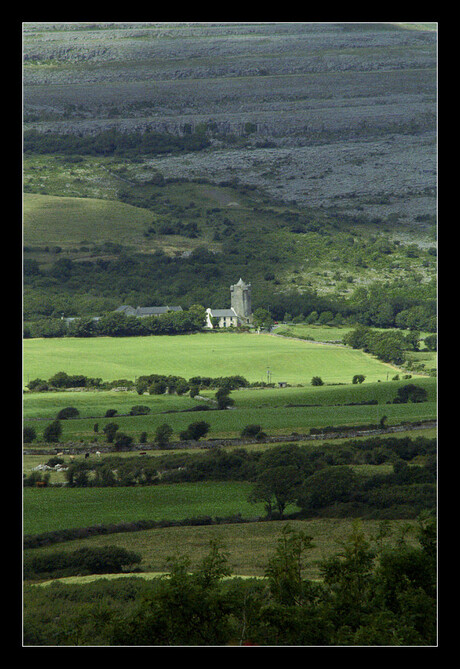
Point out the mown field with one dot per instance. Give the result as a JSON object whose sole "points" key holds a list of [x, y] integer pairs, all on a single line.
{"points": [[202, 354]]}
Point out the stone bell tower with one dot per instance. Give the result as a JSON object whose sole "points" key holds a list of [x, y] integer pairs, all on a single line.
{"points": [[241, 301]]}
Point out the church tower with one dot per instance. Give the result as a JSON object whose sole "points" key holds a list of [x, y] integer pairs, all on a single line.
{"points": [[241, 301]]}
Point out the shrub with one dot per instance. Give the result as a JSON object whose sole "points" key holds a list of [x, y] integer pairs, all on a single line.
{"points": [[28, 435], [52, 432], [55, 461], [110, 413], [163, 434], [123, 441], [410, 393], [110, 430], [68, 412], [105, 560], [195, 430], [139, 410], [328, 486], [317, 381], [252, 431]]}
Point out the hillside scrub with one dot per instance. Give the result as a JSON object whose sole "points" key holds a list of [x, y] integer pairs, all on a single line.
{"points": [[371, 593]]}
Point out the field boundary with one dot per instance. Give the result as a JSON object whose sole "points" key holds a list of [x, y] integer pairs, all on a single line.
{"points": [[340, 433]]}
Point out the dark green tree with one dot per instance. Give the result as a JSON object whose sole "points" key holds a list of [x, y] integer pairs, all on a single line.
{"points": [[195, 430], [110, 430], [286, 566], [52, 432], [28, 434], [163, 434], [277, 486]]}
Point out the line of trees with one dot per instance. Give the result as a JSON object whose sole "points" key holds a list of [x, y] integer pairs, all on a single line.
{"points": [[113, 142]]}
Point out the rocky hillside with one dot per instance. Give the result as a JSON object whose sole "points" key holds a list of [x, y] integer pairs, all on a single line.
{"points": [[339, 116]]}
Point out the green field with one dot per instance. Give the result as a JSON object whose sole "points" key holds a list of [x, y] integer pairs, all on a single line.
{"points": [[229, 423], [49, 509], [203, 354]]}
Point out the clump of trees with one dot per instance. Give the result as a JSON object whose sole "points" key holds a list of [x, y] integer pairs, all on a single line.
{"points": [[104, 560], [195, 431]]}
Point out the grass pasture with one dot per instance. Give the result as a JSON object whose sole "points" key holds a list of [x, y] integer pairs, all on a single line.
{"points": [[202, 354], [248, 545]]}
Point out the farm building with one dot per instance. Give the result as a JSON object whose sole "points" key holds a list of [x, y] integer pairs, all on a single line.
{"points": [[145, 311]]}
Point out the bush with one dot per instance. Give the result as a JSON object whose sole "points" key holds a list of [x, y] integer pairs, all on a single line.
{"points": [[55, 461], [252, 431], [139, 410], [410, 393], [52, 432], [105, 560], [317, 381], [110, 413], [123, 441], [328, 486], [110, 430], [195, 430], [68, 412], [163, 434], [28, 435]]}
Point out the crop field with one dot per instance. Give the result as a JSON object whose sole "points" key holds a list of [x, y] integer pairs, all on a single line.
{"points": [[207, 354], [60, 508]]}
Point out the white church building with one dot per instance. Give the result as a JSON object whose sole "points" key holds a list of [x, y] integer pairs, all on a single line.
{"points": [[240, 312]]}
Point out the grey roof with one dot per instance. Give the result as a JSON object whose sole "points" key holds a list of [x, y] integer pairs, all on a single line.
{"points": [[221, 313], [151, 311], [145, 311], [125, 308]]}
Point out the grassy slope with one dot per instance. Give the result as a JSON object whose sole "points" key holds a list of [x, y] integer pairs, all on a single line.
{"points": [[204, 354], [66, 221], [248, 545]]}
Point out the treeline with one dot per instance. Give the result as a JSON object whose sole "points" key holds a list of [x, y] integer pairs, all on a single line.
{"points": [[105, 560], [372, 592], [113, 143], [154, 384], [119, 324], [387, 346]]}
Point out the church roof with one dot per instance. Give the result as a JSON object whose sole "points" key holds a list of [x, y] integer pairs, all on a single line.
{"points": [[221, 313]]}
